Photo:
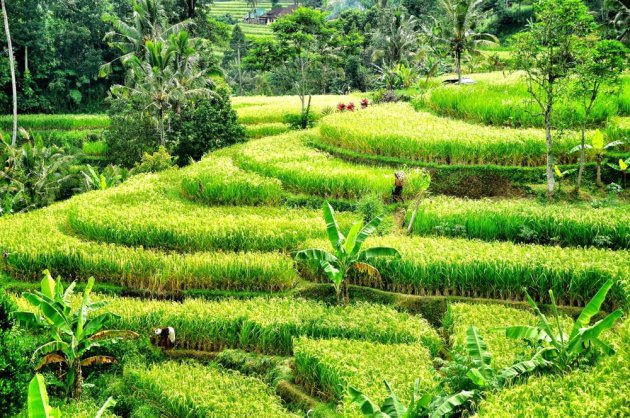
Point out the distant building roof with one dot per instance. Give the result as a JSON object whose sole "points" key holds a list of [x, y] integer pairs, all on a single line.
{"points": [[279, 12]]}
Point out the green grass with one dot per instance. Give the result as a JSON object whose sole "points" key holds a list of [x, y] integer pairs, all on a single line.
{"points": [[304, 170], [525, 220], [329, 367], [95, 148], [396, 130], [56, 122], [194, 390], [266, 129], [500, 270], [506, 102], [253, 110], [600, 391]]}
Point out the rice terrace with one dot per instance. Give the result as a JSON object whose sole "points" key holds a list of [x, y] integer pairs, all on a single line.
{"points": [[340, 208]]}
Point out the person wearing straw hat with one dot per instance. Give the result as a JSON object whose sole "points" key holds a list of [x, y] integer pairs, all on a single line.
{"points": [[166, 337]]}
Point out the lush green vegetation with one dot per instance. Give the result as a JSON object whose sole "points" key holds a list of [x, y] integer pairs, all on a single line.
{"points": [[185, 199]]}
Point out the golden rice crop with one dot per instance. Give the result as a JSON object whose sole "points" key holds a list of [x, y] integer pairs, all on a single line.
{"points": [[194, 390], [331, 366], [446, 266], [268, 324], [599, 391], [265, 109], [216, 180], [396, 130], [305, 170], [526, 220], [34, 242]]}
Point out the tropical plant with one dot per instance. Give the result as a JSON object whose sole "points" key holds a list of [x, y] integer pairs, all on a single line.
{"points": [[622, 168], [39, 405], [33, 174], [348, 254], [460, 34], [598, 149], [93, 180], [148, 23], [425, 405], [482, 375], [565, 352], [73, 334]]}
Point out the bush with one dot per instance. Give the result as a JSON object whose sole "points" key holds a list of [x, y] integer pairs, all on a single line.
{"points": [[206, 125], [15, 370], [6, 307], [153, 163], [129, 134]]}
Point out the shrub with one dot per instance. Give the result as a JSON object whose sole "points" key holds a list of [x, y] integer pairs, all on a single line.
{"points": [[16, 370], [205, 125], [153, 163]]}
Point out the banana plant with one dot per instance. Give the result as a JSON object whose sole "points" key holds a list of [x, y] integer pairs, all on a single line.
{"points": [[420, 405], [347, 252], [598, 148], [39, 404], [561, 351], [622, 168], [72, 334], [483, 376]]}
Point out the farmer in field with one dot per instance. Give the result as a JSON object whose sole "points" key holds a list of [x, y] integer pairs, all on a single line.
{"points": [[166, 337], [397, 194]]}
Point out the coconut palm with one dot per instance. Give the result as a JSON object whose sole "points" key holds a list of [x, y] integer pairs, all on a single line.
{"points": [[148, 23], [73, 334], [347, 252], [459, 34], [164, 79]]}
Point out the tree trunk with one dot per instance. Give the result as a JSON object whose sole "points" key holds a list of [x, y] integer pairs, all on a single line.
{"points": [[582, 161], [346, 287], [599, 172], [78, 379], [12, 70], [240, 72], [551, 181], [458, 66]]}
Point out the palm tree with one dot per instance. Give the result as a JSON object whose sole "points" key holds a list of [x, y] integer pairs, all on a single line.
{"points": [[7, 32], [460, 35], [347, 252], [164, 79], [148, 23], [598, 149]]}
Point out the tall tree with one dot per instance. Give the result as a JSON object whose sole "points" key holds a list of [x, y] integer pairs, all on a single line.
{"points": [[459, 31], [12, 69], [598, 68], [546, 52]]}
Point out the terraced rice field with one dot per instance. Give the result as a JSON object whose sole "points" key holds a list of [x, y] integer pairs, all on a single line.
{"points": [[208, 249]]}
